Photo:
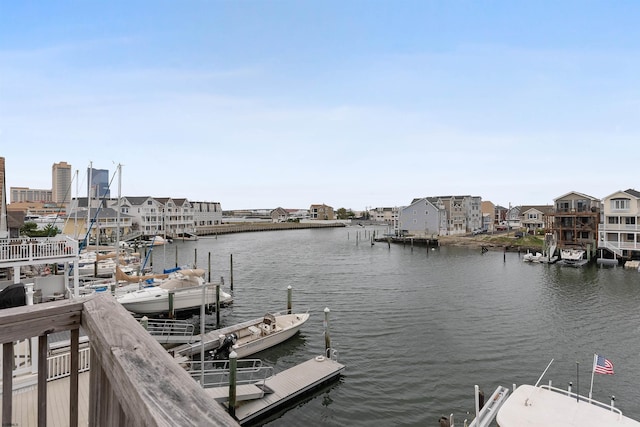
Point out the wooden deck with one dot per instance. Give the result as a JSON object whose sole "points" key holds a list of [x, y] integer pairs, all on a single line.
{"points": [[284, 387], [25, 401]]}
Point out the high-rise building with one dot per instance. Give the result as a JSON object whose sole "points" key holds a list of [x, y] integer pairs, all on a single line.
{"points": [[99, 185], [61, 183]]}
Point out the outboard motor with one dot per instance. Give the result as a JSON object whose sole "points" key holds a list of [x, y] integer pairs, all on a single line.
{"points": [[225, 348]]}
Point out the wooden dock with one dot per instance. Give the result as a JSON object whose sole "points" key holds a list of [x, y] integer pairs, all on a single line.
{"points": [[25, 403], [256, 402]]}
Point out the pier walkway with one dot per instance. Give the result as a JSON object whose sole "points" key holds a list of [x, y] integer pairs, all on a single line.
{"points": [[256, 402]]}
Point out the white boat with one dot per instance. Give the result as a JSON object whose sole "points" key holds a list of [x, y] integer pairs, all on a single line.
{"points": [[542, 406], [252, 337], [186, 286], [572, 254], [531, 257]]}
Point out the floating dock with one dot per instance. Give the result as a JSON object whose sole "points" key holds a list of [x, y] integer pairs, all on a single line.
{"points": [[256, 401]]}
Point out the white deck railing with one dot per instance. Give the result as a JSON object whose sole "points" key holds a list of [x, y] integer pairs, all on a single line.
{"points": [[38, 250], [59, 366]]}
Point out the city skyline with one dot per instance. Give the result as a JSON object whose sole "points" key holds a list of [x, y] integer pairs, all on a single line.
{"points": [[353, 104]]}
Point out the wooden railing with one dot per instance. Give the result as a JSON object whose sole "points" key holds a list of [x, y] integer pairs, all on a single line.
{"points": [[133, 380]]}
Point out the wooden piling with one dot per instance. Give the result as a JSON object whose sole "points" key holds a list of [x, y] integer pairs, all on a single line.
{"points": [[233, 366], [171, 310], [209, 267], [327, 337], [289, 299], [195, 258], [231, 270], [217, 305]]}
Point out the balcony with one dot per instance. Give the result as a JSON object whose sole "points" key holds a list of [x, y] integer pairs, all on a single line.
{"points": [[40, 250], [133, 381]]}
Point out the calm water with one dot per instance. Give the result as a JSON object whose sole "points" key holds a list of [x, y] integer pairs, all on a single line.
{"points": [[417, 328]]}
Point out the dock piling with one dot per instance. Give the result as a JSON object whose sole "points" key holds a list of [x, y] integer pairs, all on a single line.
{"points": [[289, 299], [233, 366], [327, 336]]}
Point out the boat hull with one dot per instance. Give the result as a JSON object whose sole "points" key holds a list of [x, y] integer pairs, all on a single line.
{"points": [[155, 300], [265, 333]]}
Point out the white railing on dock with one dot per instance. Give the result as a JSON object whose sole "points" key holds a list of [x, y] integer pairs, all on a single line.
{"points": [[59, 366], [37, 250]]}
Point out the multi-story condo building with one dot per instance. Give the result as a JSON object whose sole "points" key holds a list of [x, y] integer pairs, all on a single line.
{"points": [[619, 231], [61, 181], [206, 214], [386, 215], [177, 216], [25, 194], [575, 221], [463, 213]]}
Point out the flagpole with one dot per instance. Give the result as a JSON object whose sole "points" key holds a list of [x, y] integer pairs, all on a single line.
{"points": [[593, 370]]}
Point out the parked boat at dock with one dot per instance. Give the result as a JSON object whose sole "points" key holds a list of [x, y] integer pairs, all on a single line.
{"points": [[186, 286], [249, 338], [543, 405]]}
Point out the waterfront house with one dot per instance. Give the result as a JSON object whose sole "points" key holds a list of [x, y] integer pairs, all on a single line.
{"points": [[575, 221], [535, 218], [321, 212], [102, 224], [206, 214], [619, 232], [279, 215], [422, 218]]}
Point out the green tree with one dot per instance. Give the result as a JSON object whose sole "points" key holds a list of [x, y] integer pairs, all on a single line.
{"points": [[341, 213], [28, 228]]}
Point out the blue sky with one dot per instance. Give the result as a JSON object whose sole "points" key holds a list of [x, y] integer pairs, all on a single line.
{"points": [[260, 104]]}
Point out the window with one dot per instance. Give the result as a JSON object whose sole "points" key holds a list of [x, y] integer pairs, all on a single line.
{"points": [[620, 204], [613, 220], [630, 220]]}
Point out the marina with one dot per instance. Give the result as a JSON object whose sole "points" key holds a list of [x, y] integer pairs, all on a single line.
{"points": [[458, 305]]}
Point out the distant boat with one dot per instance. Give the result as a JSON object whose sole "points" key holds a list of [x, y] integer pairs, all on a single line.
{"points": [[250, 338], [572, 254], [531, 257]]}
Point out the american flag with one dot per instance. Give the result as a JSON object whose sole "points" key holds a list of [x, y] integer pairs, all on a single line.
{"points": [[601, 365]]}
